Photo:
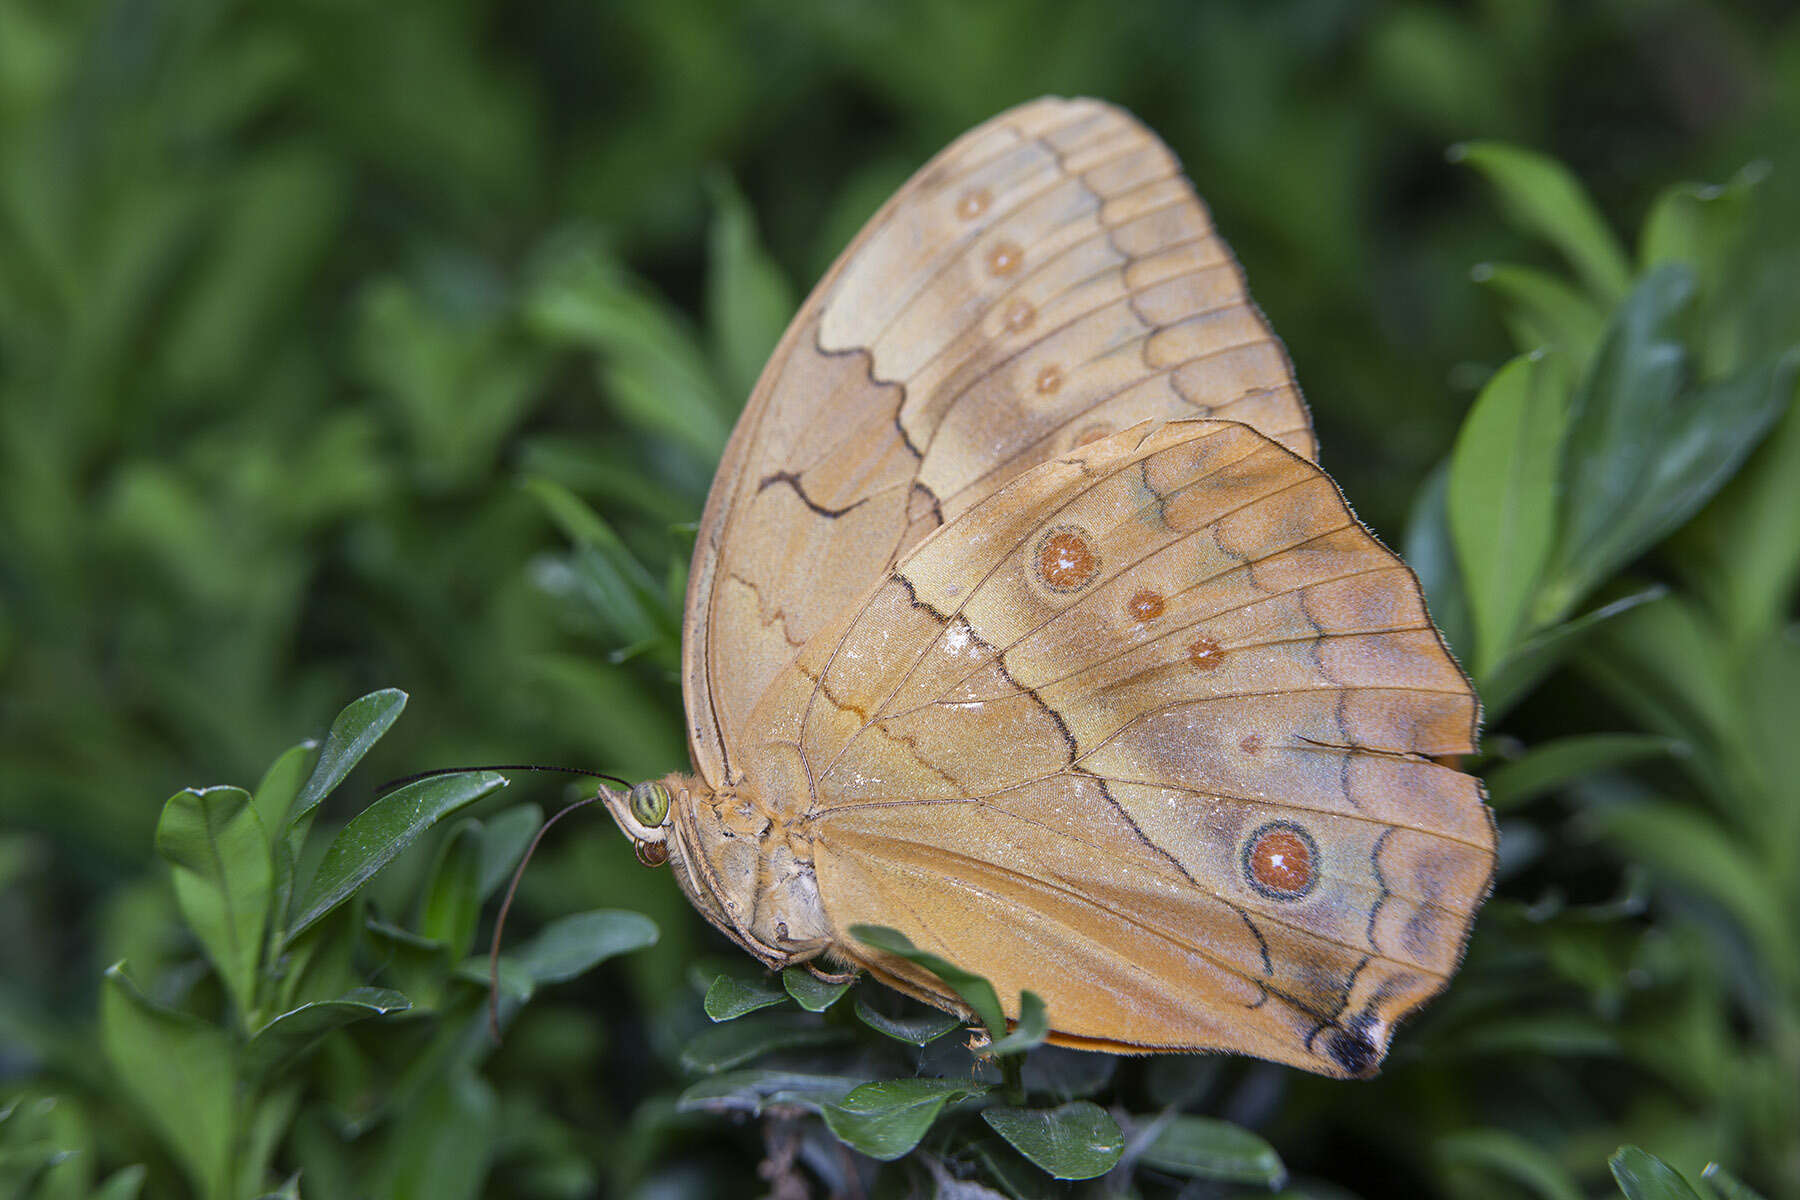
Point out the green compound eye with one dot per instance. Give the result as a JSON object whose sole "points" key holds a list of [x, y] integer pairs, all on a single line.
{"points": [[649, 803]]}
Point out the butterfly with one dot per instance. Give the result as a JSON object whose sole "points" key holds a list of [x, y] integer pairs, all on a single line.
{"points": [[1022, 621]]}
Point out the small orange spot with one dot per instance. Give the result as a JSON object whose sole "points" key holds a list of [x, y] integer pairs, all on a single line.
{"points": [[1048, 380], [1066, 559], [1145, 605], [973, 203], [1019, 316], [1005, 258], [1279, 860], [1092, 434], [1252, 744], [1206, 654]]}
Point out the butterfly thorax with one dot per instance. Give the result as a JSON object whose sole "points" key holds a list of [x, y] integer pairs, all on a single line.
{"points": [[748, 869]]}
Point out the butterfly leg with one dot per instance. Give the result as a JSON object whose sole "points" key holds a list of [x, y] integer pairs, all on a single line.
{"points": [[832, 977]]}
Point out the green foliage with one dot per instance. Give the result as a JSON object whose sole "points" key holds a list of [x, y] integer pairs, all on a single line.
{"points": [[227, 1075], [1204, 1148], [337, 353], [1077, 1140]]}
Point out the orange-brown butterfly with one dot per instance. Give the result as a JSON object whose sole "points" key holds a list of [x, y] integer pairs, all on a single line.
{"points": [[1023, 622]]}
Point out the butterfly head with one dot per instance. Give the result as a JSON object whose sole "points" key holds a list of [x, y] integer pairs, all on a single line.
{"points": [[642, 812]]}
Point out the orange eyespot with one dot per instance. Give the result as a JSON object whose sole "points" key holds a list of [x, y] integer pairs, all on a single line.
{"points": [[1066, 559], [973, 203], [1206, 654], [1280, 860], [1005, 258], [1145, 605]]}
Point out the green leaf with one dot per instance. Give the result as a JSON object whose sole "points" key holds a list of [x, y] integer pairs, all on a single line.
{"points": [[357, 728], [224, 876], [730, 998], [748, 300], [753, 1091], [1547, 767], [289, 1190], [1665, 664], [319, 964], [179, 1074], [1013, 1177], [974, 989], [452, 904], [1431, 553], [442, 1144], [915, 1031], [885, 1120], [376, 836], [1500, 1152], [124, 1184], [1555, 1035], [1643, 1176], [274, 800], [503, 842], [810, 992], [514, 982], [651, 369], [1543, 311], [1646, 446], [416, 966], [1742, 552], [1542, 198], [575, 944], [296, 1031], [1502, 497], [737, 1042], [45, 1147], [623, 590], [1690, 849], [1031, 1029], [1078, 1140], [1727, 1185], [267, 1120], [1698, 224], [281, 784], [1544, 651], [1067, 1074], [1204, 1148]]}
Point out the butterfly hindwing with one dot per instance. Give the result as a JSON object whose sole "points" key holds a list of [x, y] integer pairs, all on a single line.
{"points": [[1149, 731]]}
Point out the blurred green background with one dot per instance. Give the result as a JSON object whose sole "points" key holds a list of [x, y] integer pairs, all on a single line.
{"points": [[295, 298]]}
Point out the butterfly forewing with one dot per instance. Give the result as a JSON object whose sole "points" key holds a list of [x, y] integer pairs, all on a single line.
{"points": [[1050, 278]]}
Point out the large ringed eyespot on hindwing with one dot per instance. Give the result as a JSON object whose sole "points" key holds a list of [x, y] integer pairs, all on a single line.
{"points": [[1065, 559], [1281, 860]]}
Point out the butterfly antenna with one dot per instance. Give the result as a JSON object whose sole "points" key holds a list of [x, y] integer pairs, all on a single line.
{"points": [[394, 784], [518, 872], [511, 889]]}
